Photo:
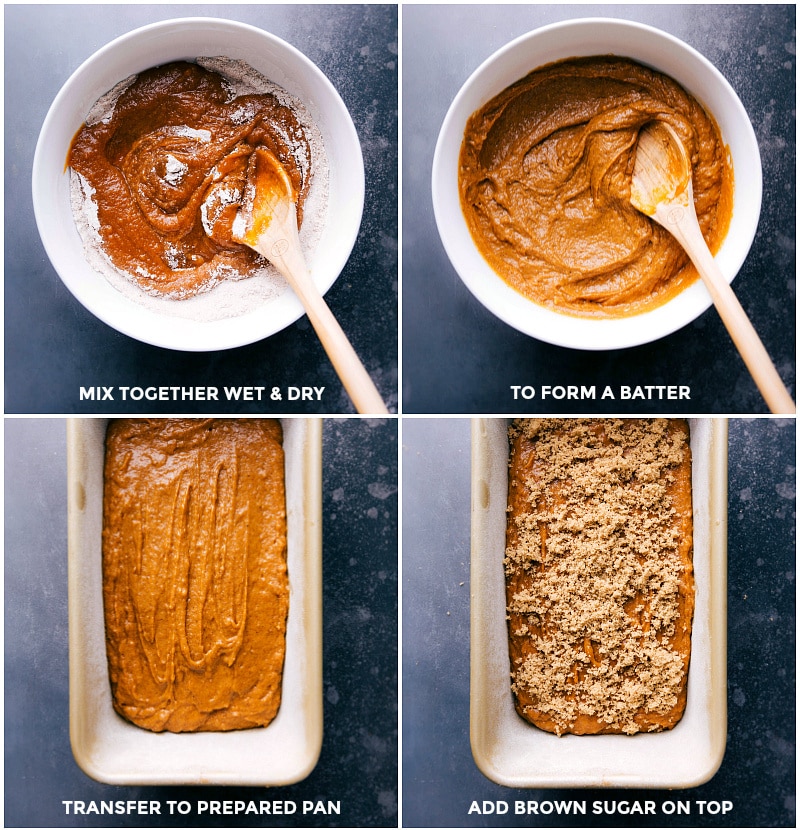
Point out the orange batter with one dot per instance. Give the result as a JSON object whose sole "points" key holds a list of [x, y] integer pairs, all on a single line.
{"points": [[545, 175], [169, 171], [195, 584]]}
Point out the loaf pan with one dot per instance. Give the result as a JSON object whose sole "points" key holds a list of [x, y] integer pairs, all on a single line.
{"points": [[512, 752], [112, 750]]}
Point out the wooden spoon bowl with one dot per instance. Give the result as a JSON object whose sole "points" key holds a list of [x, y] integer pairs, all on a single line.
{"points": [[662, 189]]}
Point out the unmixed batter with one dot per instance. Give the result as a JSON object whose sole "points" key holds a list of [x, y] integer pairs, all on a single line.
{"points": [[167, 172], [545, 174], [195, 585]]}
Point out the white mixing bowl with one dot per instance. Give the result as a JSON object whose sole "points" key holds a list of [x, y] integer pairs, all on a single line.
{"points": [[577, 38], [187, 39]]}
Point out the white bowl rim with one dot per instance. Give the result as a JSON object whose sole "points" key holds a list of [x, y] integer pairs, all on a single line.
{"points": [[180, 333], [534, 320]]}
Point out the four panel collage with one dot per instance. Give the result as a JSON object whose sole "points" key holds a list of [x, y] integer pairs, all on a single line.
{"points": [[399, 423]]}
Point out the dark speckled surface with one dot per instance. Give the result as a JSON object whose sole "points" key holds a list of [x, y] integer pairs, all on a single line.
{"points": [[358, 763], [459, 358], [440, 779], [53, 346]]}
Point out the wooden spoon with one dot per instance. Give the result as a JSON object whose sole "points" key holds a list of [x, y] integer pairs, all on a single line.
{"points": [[268, 224], [662, 190]]}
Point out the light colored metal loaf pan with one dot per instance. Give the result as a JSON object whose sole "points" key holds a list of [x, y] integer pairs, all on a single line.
{"points": [[512, 752], [110, 749]]}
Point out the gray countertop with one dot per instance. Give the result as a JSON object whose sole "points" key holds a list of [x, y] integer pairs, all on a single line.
{"points": [[440, 778], [53, 346], [459, 358]]}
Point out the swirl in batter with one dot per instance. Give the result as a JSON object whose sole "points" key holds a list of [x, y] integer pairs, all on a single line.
{"points": [[168, 171], [545, 175], [195, 582]]}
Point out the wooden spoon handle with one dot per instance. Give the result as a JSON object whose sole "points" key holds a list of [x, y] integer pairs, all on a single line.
{"points": [[351, 371], [685, 229], [356, 380]]}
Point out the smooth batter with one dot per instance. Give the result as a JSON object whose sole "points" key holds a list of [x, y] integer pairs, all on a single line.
{"points": [[545, 175], [169, 170], [195, 584]]}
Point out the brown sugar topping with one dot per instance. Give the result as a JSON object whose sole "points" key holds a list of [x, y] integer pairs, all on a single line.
{"points": [[599, 573]]}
